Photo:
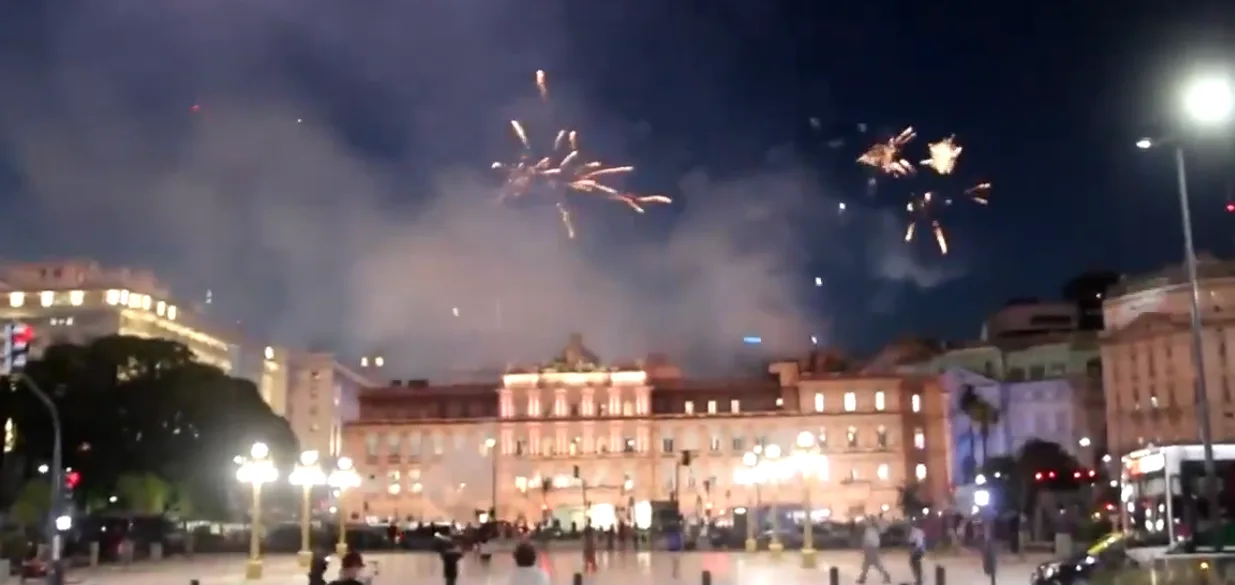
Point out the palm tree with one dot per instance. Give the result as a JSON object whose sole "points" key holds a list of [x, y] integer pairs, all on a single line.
{"points": [[910, 499], [982, 414]]}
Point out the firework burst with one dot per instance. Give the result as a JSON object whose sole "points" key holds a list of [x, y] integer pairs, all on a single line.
{"points": [[564, 171], [924, 210]]}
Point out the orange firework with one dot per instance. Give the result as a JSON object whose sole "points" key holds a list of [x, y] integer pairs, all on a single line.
{"points": [[886, 156], [565, 170]]}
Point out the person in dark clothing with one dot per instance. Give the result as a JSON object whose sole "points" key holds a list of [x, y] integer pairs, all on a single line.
{"points": [[451, 555], [349, 569]]}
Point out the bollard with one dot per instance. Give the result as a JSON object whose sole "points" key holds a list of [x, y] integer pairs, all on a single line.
{"points": [[833, 576], [577, 579], [94, 553], [706, 578], [941, 577]]}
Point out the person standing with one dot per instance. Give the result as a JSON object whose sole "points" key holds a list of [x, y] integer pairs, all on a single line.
{"points": [[451, 555], [917, 549], [589, 548], [350, 567], [871, 541], [526, 572]]}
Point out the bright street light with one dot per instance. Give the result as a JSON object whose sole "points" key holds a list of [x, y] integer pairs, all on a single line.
{"points": [[1144, 144], [307, 474], [343, 478], [1209, 100], [256, 470]]}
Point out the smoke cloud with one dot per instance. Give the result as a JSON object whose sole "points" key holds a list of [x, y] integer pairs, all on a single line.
{"points": [[387, 239]]}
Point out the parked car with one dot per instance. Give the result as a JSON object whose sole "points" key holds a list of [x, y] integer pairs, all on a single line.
{"points": [[1106, 557]]}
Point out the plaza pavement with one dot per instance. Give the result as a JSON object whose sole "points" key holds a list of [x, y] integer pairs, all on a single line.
{"points": [[616, 568]]}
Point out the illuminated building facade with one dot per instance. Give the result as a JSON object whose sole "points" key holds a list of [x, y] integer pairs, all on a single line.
{"points": [[75, 301], [321, 398], [1147, 356], [554, 441]]}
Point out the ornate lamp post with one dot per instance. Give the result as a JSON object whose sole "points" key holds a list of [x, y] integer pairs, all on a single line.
{"points": [[770, 471], [307, 474], [343, 477], [748, 476], [811, 465], [255, 470]]}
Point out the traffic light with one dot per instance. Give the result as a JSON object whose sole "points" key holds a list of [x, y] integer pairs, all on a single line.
{"points": [[17, 338]]}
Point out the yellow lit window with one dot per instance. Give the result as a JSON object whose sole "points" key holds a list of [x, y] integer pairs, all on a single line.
{"points": [[17, 299], [77, 297]]}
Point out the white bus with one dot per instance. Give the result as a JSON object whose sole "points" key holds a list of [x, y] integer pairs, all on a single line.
{"points": [[1161, 495]]}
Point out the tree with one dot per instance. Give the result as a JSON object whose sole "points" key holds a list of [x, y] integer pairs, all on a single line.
{"points": [[143, 494], [133, 407], [982, 414], [32, 505]]}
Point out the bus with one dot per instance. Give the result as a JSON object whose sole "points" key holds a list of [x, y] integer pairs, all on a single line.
{"points": [[1162, 500]]}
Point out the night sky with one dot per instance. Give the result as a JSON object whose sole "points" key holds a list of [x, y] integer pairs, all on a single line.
{"points": [[332, 186]]}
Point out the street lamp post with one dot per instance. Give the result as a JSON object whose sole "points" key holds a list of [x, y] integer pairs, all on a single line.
{"points": [[307, 474], [342, 478], [771, 471], [256, 470], [748, 475], [807, 462], [491, 445], [1209, 102]]}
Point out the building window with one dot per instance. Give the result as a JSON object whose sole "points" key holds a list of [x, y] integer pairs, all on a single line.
{"points": [[851, 402], [920, 471], [628, 445], [882, 471], [589, 407], [780, 402], [852, 436], [818, 402], [77, 297], [881, 436], [690, 407], [715, 444], [666, 444], [916, 402], [879, 401], [739, 444], [628, 408], [919, 438], [735, 406], [823, 438], [46, 298], [853, 474]]}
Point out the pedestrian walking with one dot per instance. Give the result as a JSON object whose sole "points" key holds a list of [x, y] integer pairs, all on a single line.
{"points": [[917, 549], [871, 541]]}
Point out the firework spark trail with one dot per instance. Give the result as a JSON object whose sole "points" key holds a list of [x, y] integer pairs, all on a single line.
{"points": [[542, 84], [569, 174]]}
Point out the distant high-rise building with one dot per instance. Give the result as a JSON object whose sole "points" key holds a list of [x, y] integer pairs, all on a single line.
{"points": [[321, 397], [78, 300], [1087, 291]]}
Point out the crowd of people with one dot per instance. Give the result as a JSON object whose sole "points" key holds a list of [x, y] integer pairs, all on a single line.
{"points": [[527, 569]]}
